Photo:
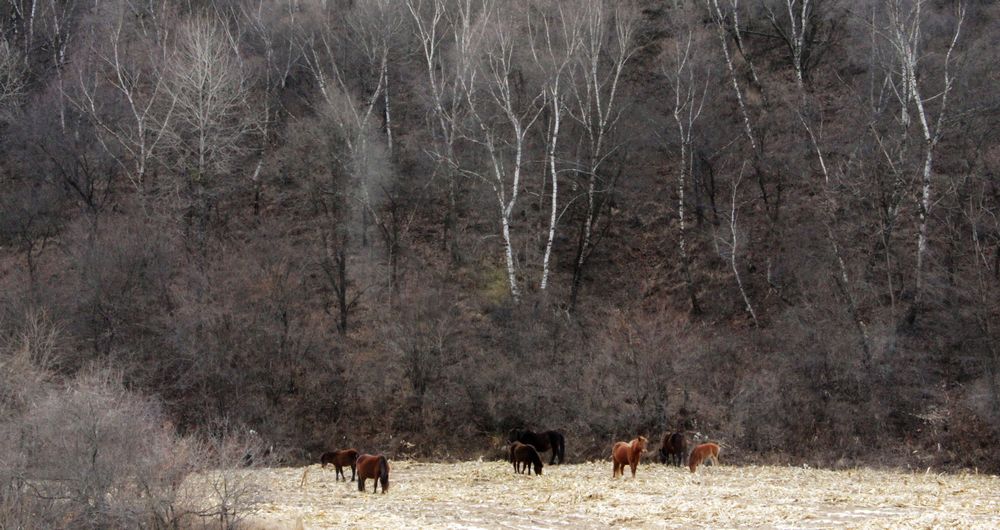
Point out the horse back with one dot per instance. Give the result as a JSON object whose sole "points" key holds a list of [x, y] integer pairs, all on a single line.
{"points": [[347, 457], [619, 452], [368, 466]]}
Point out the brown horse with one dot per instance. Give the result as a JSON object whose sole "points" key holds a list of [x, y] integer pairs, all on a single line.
{"points": [[374, 467], [339, 459], [673, 448], [525, 454], [702, 453], [627, 453], [542, 442]]}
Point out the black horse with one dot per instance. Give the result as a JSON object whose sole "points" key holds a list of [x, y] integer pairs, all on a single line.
{"points": [[542, 441], [673, 448]]}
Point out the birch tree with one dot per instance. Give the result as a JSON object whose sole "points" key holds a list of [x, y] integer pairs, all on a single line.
{"points": [[555, 39], [607, 47], [801, 27], [689, 86], [903, 32], [210, 90], [128, 68], [12, 75], [212, 117], [500, 122], [365, 158], [734, 205], [449, 40], [374, 25]]}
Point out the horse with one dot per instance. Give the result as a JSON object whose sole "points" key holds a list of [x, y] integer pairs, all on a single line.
{"points": [[374, 467], [525, 454], [627, 453], [542, 442], [673, 448], [701, 453], [339, 459]]}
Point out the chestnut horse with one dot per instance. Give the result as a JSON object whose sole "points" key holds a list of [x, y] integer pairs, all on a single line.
{"points": [[339, 459], [702, 453], [627, 453], [525, 454], [673, 448], [374, 467], [542, 442]]}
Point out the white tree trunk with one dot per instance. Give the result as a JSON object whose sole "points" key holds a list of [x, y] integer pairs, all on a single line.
{"points": [[557, 114]]}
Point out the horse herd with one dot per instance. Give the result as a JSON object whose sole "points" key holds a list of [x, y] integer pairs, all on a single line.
{"points": [[524, 450], [525, 447]]}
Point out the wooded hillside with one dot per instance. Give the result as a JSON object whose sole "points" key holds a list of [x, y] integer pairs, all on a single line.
{"points": [[414, 225]]}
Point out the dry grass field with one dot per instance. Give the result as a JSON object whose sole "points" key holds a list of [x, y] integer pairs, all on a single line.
{"points": [[490, 495]]}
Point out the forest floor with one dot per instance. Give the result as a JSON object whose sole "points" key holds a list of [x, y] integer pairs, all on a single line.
{"points": [[490, 495]]}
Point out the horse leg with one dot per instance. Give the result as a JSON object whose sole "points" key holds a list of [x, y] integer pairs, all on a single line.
{"points": [[361, 484], [353, 467]]}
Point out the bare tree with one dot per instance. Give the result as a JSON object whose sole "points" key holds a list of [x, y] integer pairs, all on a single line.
{"points": [[12, 75], [607, 48], [734, 246], [804, 28], [502, 113], [689, 94], [374, 25], [138, 83], [211, 116], [555, 39], [449, 39], [830, 220], [903, 32], [276, 43], [367, 160]]}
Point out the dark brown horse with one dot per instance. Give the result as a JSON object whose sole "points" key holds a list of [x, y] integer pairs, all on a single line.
{"points": [[525, 454], [673, 449], [542, 442], [623, 454], [339, 459], [374, 467]]}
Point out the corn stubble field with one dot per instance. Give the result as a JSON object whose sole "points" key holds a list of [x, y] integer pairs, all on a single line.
{"points": [[490, 495]]}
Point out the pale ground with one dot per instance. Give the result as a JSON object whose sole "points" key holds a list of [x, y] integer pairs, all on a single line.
{"points": [[490, 495]]}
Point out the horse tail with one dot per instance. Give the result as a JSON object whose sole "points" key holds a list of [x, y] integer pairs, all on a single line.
{"points": [[562, 446], [383, 472]]}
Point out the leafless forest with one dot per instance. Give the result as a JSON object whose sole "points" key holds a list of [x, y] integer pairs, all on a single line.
{"points": [[412, 225]]}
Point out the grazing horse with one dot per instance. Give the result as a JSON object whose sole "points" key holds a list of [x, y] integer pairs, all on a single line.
{"points": [[374, 467], [339, 459], [702, 453], [673, 449], [627, 453], [542, 442], [525, 454]]}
